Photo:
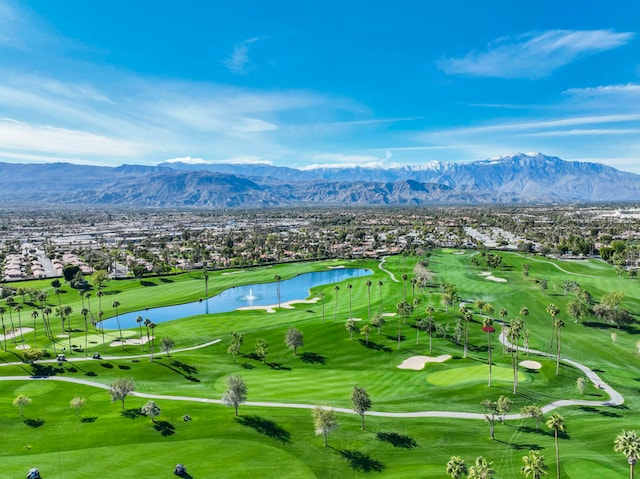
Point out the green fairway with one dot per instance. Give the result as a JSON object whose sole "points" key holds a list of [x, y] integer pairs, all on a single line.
{"points": [[474, 374], [280, 442]]}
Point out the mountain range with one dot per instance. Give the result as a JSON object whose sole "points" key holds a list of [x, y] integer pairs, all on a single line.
{"points": [[519, 178]]}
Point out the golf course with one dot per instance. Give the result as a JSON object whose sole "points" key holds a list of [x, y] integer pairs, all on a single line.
{"points": [[432, 340]]}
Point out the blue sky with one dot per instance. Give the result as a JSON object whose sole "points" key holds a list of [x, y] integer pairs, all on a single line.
{"points": [[307, 83]]}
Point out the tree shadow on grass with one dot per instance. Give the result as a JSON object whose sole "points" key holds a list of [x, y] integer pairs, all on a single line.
{"points": [[184, 366], [279, 367], [375, 346], [165, 428], [179, 369], [362, 462], [34, 423], [265, 427], [45, 370], [165, 280], [599, 411], [526, 447], [397, 440], [89, 420], [313, 358], [147, 283], [131, 413]]}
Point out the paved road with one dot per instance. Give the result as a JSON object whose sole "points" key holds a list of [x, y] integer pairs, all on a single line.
{"points": [[615, 398]]}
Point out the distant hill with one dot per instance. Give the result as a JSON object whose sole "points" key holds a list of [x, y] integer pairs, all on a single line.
{"points": [[520, 178]]}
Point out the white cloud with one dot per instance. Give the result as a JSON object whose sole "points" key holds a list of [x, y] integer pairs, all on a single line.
{"points": [[238, 62], [630, 89], [188, 160], [15, 135], [255, 125], [338, 160], [587, 132], [534, 55]]}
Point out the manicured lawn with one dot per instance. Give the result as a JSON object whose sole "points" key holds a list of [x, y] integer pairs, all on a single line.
{"points": [[280, 442]]}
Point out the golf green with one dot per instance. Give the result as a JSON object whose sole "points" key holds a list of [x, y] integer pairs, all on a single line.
{"points": [[476, 373]]}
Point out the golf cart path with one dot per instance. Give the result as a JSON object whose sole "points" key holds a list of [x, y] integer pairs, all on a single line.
{"points": [[615, 398], [382, 268]]}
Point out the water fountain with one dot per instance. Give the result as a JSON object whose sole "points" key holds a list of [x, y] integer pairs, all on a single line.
{"points": [[250, 296]]}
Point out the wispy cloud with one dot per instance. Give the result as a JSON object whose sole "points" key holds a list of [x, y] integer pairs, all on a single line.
{"points": [[239, 62], [338, 160], [534, 55], [629, 89]]}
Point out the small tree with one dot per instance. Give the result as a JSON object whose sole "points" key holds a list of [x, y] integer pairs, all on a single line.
{"points": [[628, 443], [366, 331], [504, 406], [120, 389], [32, 355], [151, 409], [234, 346], [352, 327], [76, 404], [491, 413], [377, 321], [236, 392], [21, 401], [324, 422], [166, 344], [481, 469], [262, 349], [581, 384], [361, 401], [534, 465], [456, 468], [294, 340], [534, 412]]}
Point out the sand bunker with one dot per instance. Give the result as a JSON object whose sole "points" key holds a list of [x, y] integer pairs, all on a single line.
{"points": [[336, 267], [418, 362], [497, 280], [232, 272], [490, 277], [272, 307], [458, 252], [530, 364], [389, 315], [15, 333], [132, 341], [23, 346]]}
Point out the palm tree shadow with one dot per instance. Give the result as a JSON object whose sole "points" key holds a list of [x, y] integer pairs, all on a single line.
{"points": [[266, 427], [361, 462], [397, 440]]}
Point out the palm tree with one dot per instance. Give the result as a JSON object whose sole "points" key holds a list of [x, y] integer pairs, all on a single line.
{"points": [[4, 331], [277, 278], [336, 288], [556, 422], [404, 286], [515, 331], [628, 443], [84, 313], [350, 287], [380, 283], [152, 326], [65, 313], [558, 324], [524, 312], [487, 327], [139, 320], [553, 311], [18, 308], [404, 310], [456, 468], [115, 305], [322, 303], [99, 294], [534, 465], [10, 304], [369, 283], [467, 317], [34, 316]]}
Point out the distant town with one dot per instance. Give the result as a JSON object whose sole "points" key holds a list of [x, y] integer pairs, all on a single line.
{"points": [[41, 243]]}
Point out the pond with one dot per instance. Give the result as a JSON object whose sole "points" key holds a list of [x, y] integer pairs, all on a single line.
{"points": [[264, 294]]}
